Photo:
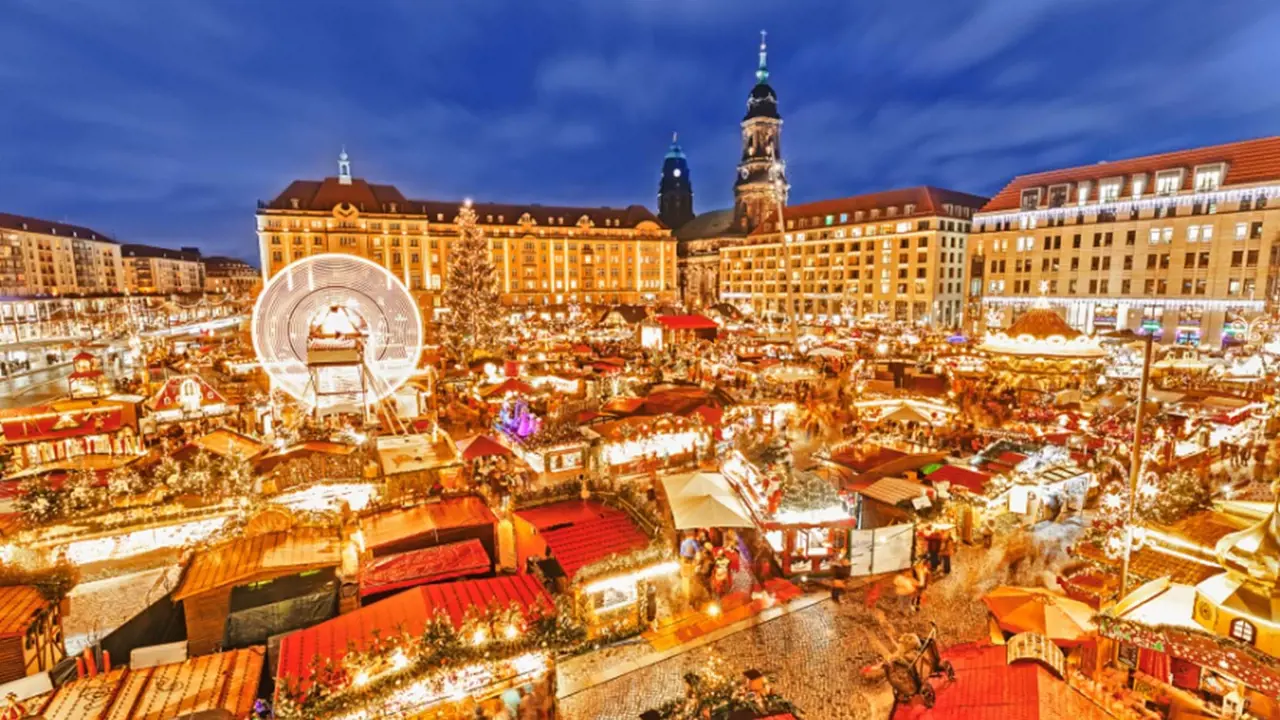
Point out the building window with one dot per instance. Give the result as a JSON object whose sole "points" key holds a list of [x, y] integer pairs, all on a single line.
{"points": [[1168, 182], [1209, 178], [1109, 190], [1030, 199]]}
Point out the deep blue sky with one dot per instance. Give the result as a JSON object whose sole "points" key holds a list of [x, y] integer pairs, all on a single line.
{"points": [[163, 121]]}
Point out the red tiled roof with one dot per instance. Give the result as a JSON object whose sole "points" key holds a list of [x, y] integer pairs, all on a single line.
{"points": [[687, 322], [408, 611], [580, 533], [325, 194], [419, 567], [987, 688], [49, 227], [928, 201], [1248, 161]]}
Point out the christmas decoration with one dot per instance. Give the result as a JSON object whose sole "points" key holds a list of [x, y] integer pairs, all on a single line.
{"points": [[712, 693], [471, 293]]}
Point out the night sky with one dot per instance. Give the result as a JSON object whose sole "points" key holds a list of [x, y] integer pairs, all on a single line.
{"points": [[164, 121]]}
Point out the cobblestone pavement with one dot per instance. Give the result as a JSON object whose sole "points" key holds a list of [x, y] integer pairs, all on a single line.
{"points": [[814, 656]]}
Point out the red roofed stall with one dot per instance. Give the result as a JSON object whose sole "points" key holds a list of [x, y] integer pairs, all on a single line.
{"points": [[409, 613], [420, 567]]}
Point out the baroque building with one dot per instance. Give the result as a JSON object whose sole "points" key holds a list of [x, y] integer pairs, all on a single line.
{"points": [[759, 189], [1187, 242], [897, 255], [544, 255]]}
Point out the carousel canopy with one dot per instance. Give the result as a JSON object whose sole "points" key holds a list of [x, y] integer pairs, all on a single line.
{"points": [[1042, 332]]}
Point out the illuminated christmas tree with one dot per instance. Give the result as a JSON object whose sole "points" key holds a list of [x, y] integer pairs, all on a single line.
{"points": [[471, 293]]}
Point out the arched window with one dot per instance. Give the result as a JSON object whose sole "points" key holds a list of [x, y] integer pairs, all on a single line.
{"points": [[1243, 630]]}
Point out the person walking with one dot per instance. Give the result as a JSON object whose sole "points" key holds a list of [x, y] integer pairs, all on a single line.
{"points": [[948, 547], [839, 578]]}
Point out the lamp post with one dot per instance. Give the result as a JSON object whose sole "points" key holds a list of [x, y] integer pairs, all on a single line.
{"points": [[778, 184], [1135, 461]]}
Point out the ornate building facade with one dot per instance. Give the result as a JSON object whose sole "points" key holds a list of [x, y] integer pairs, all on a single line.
{"points": [[896, 255], [1188, 242], [544, 255]]}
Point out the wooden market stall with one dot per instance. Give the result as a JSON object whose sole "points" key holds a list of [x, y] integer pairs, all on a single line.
{"points": [[600, 557], [496, 620], [439, 522], [259, 585], [30, 632]]}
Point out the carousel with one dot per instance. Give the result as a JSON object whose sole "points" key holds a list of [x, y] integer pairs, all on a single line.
{"points": [[1040, 351]]}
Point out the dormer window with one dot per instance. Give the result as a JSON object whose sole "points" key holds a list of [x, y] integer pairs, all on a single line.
{"points": [[1058, 195], [1168, 182], [293, 202], [1209, 177], [1139, 185], [393, 207], [1030, 199], [1109, 190], [858, 215], [908, 209], [1082, 192]]}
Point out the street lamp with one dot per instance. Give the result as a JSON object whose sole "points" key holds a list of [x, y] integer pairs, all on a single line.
{"points": [[1135, 460]]}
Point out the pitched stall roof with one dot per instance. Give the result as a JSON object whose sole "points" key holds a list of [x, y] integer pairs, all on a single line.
{"points": [[259, 557], [580, 533], [222, 681], [971, 480], [388, 527], [687, 322], [18, 606], [87, 698], [988, 688], [408, 611], [928, 201], [1248, 162], [419, 567]]}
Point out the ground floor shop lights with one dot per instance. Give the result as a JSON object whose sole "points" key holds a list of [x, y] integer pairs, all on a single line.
{"points": [[620, 582], [1135, 302]]}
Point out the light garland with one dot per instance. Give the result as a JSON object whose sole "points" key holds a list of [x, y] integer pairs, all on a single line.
{"points": [[1125, 206], [1126, 302]]}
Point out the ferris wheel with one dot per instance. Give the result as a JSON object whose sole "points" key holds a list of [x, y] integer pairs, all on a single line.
{"points": [[337, 332]]}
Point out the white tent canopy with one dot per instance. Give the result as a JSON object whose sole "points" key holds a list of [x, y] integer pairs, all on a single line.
{"points": [[709, 511], [826, 352], [702, 500], [697, 485], [907, 414]]}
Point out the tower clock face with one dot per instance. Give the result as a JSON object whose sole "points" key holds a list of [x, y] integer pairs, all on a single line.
{"points": [[743, 173], [676, 172]]}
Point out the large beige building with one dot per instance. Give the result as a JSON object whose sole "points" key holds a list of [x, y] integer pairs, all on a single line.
{"points": [[544, 255], [1186, 241], [896, 255], [150, 269], [230, 275], [45, 258]]}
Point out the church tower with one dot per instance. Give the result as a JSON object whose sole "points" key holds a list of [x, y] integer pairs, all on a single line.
{"points": [[675, 191], [344, 167], [761, 174]]}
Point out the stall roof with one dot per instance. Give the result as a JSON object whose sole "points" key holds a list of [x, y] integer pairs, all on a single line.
{"points": [[1148, 563], [86, 698], [18, 605], [392, 526], [312, 447], [580, 533], [971, 480], [273, 554], [223, 681], [410, 453], [687, 322], [892, 491], [419, 567], [992, 689], [510, 385], [229, 443], [409, 612]]}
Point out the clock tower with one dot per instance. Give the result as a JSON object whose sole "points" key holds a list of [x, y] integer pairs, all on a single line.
{"points": [[675, 190], [761, 176]]}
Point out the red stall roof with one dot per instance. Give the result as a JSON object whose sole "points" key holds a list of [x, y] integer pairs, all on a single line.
{"points": [[410, 611], [687, 322], [419, 567], [580, 533], [971, 480], [987, 688]]}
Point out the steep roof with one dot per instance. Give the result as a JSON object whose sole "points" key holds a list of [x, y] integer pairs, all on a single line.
{"points": [[1248, 161], [713, 223], [324, 195], [928, 201], [50, 227]]}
